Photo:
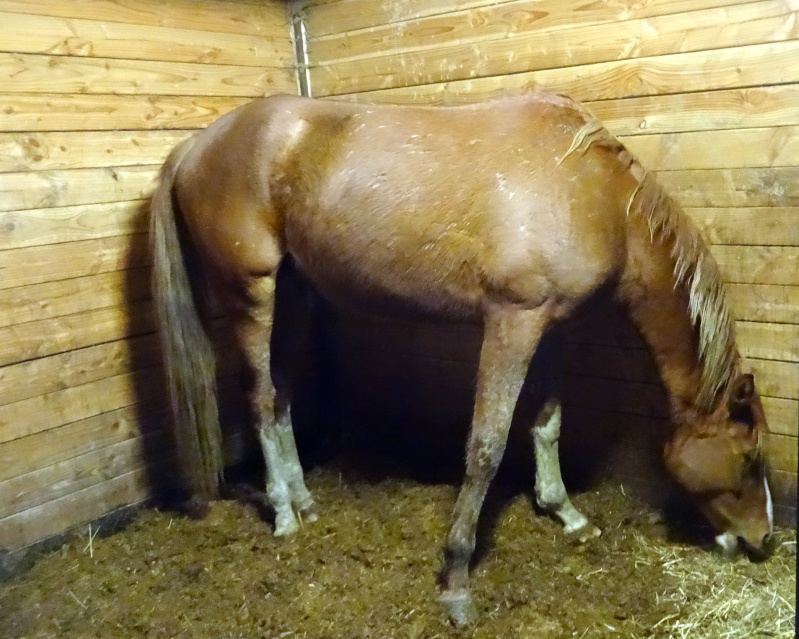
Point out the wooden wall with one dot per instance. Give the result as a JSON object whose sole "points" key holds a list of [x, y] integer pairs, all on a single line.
{"points": [[705, 92], [93, 95]]}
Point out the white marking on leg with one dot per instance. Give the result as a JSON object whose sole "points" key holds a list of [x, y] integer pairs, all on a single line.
{"points": [[277, 489], [300, 496], [550, 492]]}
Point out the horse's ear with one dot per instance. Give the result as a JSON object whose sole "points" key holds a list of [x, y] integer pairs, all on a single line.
{"points": [[703, 464], [742, 391]]}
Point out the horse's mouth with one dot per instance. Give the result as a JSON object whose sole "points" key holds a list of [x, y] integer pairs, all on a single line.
{"points": [[758, 554], [731, 546]]}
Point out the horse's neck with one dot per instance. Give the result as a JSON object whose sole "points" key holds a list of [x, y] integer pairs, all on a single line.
{"points": [[661, 313]]}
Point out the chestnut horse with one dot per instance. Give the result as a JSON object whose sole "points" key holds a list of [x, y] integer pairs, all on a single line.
{"points": [[514, 212]]}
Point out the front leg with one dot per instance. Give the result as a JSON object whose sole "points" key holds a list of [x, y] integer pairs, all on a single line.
{"points": [[510, 337], [550, 492]]}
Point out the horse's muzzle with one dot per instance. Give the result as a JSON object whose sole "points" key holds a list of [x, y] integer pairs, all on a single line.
{"points": [[730, 545], [761, 552]]}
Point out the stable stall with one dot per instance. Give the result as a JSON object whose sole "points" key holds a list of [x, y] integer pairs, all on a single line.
{"points": [[96, 93]]}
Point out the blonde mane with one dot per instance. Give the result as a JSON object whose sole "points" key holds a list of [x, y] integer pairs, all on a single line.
{"points": [[695, 269]]}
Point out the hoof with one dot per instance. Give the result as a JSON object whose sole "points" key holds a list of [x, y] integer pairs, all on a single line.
{"points": [[460, 608], [585, 533], [196, 508], [308, 514], [285, 524]]}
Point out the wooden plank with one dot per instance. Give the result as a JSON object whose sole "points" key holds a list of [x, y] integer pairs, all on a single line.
{"points": [[763, 106], [782, 415], [726, 149], [44, 485], [636, 398], [771, 63], [400, 63], [775, 379], [34, 112], [781, 452], [778, 186], [37, 302], [81, 150], [43, 413], [32, 340], [35, 227], [764, 302], [757, 340], [36, 264], [609, 362], [764, 265], [331, 17], [262, 19], [65, 74], [418, 368], [65, 442], [648, 401], [49, 189], [768, 341], [778, 380], [52, 518], [55, 373], [80, 438], [26, 33], [783, 489], [754, 226], [78, 367], [453, 18]]}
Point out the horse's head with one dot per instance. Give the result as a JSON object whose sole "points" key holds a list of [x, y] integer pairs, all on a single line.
{"points": [[720, 463]]}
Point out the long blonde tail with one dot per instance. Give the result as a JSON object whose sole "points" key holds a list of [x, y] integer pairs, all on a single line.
{"points": [[187, 350]]}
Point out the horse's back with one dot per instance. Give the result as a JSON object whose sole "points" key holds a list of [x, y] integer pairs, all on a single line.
{"points": [[445, 207], [457, 205]]}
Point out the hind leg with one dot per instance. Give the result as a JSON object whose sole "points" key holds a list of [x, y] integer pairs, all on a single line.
{"points": [[550, 492], [285, 485], [301, 501]]}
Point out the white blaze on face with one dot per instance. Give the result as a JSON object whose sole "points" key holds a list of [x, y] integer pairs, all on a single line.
{"points": [[769, 505]]}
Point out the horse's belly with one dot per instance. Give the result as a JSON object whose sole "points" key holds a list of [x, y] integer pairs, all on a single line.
{"points": [[438, 275]]}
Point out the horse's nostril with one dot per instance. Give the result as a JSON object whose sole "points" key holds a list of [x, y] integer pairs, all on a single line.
{"points": [[758, 553], [769, 544]]}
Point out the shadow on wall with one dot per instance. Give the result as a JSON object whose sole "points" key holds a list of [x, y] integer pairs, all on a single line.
{"points": [[405, 388], [146, 365]]}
